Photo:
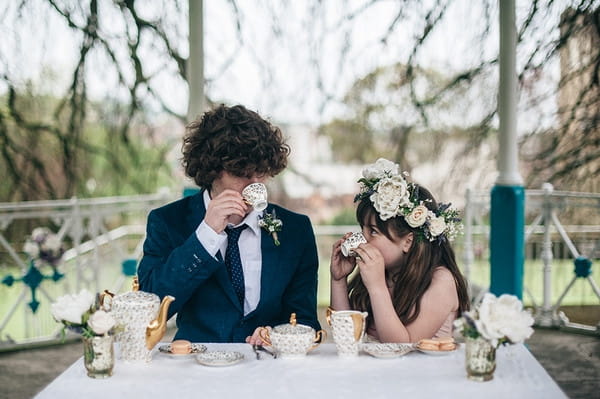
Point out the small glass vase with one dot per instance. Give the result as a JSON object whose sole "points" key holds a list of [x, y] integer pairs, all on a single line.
{"points": [[99, 356], [480, 359]]}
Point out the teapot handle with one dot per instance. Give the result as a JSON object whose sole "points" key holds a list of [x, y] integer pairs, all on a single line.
{"points": [[263, 333], [103, 296], [319, 338]]}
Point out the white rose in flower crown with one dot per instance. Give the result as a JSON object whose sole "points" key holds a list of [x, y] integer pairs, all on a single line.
{"points": [[418, 216], [389, 195], [437, 225], [71, 308], [379, 169], [101, 322], [503, 318]]}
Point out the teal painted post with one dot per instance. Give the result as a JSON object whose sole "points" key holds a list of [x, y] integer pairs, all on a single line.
{"points": [[508, 195], [507, 238]]}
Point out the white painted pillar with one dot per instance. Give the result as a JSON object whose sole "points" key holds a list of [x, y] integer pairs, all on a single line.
{"points": [[195, 65], [508, 162]]}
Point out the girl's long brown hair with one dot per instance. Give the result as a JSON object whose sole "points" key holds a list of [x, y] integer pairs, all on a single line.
{"points": [[414, 276]]}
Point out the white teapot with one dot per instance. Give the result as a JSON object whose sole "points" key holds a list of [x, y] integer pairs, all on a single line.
{"points": [[143, 318]]}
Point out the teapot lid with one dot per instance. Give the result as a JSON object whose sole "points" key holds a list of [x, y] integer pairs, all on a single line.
{"points": [[140, 297], [292, 327]]}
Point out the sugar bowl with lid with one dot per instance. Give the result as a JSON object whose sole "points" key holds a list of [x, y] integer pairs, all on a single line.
{"points": [[292, 340]]}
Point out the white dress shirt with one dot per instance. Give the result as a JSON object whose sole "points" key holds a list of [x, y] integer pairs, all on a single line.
{"points": [[250, 253]]}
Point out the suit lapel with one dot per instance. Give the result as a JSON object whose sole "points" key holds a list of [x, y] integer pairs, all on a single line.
{"points": [[195, 217]]}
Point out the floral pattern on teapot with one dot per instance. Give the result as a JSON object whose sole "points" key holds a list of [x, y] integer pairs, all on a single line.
{"points": [[292, 340], [134, 310]]}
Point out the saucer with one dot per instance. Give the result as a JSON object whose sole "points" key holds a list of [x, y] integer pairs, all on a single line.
{"points": [[387, 351], [219, 358], [196, 348]]}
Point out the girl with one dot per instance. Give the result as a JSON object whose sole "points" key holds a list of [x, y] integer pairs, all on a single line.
{"points": [[407, 275]]}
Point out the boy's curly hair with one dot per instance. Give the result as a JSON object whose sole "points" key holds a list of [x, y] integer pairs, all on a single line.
{"points": [[232, 139]]}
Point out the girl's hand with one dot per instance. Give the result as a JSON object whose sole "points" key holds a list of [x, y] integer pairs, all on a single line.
{"points": [[341, 266], [371, 266]]}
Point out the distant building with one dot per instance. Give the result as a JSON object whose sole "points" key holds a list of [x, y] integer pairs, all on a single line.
{"points": [[579, 99]]}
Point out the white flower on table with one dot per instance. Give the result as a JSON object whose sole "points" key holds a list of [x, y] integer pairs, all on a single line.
{"points": [[499, 320], [503, 317], [101, 322], [83, 314], [71, 308]]}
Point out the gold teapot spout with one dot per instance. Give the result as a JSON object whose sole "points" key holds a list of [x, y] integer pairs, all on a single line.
{"points": [[158, 327]]}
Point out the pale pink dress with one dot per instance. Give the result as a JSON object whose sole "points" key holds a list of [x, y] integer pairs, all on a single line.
{"points": [[445, 329]]}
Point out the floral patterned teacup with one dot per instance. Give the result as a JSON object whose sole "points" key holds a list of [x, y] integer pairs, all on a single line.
{"points": [[351, 243], [255, 194]]}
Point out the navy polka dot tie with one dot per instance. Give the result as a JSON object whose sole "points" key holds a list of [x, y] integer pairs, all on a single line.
{"points": [[233, 260]]}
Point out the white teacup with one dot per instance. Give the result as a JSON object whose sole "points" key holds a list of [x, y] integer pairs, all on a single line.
{"points": [[255, 194], [348, 329], [351, 243], [291, 340]]}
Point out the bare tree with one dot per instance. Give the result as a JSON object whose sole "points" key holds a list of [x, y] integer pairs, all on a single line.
{"points": [[373, 67], [559, 144], [48, 140]]}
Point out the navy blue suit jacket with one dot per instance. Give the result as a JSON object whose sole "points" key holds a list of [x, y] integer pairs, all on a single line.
{"points": [[175, 263]]}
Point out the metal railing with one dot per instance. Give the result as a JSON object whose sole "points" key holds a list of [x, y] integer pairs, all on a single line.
{"points": [[106, 236], [545, 207]]}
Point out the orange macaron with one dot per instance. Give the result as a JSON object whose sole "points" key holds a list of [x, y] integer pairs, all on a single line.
{"points": [[437, 344], [429, 345], [181, 347]]}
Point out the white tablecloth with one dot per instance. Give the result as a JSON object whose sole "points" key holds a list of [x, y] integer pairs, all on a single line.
{"points": [[321, 374]]}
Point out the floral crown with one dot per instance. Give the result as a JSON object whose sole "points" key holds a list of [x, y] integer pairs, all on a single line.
{"points": [[392, 195]]}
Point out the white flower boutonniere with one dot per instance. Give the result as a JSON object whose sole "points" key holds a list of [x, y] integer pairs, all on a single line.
{"points": [[271, 224]]}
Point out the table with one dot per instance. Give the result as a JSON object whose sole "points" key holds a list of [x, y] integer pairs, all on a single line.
{"points": [[321, 374]]}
